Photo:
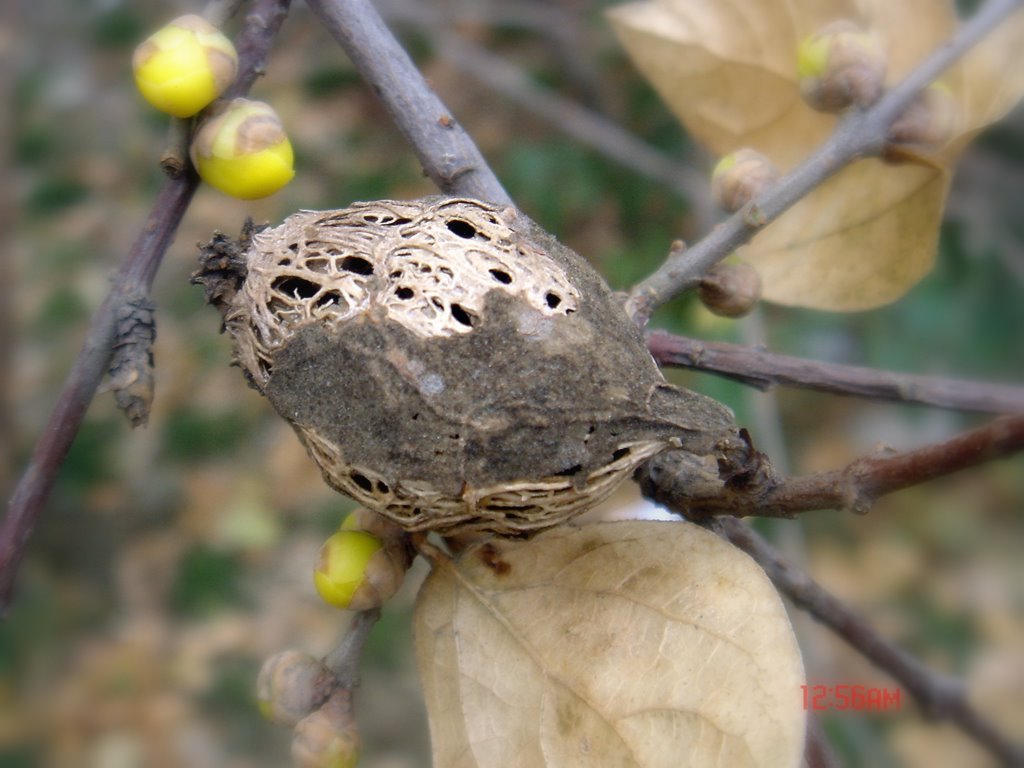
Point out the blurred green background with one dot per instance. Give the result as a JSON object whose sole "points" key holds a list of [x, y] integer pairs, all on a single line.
{"points": [[171, 560]]}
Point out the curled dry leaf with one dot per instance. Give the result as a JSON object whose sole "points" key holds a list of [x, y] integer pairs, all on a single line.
{"points": [[626, 643], [727, 69]]}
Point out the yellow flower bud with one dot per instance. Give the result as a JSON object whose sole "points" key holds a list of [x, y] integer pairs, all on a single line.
{"points": [[242, 150], [841, 66], [741, 176], [184, 66], [359, 571]]}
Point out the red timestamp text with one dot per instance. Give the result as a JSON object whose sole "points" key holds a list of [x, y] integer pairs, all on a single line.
{"points": [[859, 698]]}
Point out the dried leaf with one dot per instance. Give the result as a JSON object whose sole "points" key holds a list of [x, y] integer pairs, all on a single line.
{"points": [[727, 70], [624, 643]]}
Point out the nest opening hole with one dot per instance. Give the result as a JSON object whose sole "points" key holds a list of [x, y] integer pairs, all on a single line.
{"points": [[362, 481], [553, 300], [293, 247], [460, 315], [295, 287], [461, 228], [357, 265], [569, 471], [330, 298], [382, 487], [620, 453], [404, 293], [501, 276]]}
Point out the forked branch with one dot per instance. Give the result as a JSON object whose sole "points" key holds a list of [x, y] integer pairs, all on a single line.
{"points": [[859, 134], [763, 370], [131, 284], [753, 489], [446, 152]]}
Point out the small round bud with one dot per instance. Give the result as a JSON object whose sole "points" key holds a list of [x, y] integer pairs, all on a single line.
{"points": [[931, 120], [242, 150], [184, 66], [741, 176], [841, 66], [730, 290], [291, 684], [356, 570], [328, 737], [363, 519]]}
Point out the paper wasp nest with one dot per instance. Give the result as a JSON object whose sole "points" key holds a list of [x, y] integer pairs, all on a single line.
{"points": [[449, 364]]}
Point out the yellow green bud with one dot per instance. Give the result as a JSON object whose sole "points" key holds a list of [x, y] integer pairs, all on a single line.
{"points": [[183, 67], [841, 66], [358, 571], [328, 737], [291, 684], [242, 150], [741, 176]]}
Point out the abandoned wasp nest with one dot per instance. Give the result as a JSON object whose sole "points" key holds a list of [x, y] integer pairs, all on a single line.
{"points": [[449, 364]]}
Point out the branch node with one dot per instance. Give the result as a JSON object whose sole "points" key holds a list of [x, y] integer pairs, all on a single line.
{"points": [[755, 217], [131, 365]]}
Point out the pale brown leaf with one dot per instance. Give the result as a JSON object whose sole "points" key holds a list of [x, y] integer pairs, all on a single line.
{"points": [[727, 70], [614, 644]]}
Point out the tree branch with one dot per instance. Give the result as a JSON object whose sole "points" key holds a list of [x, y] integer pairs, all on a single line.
{"points": [[763, 370], [586, 126], [859, 134], [133, 279], [939, 697], [693, 490], [446, 152]]}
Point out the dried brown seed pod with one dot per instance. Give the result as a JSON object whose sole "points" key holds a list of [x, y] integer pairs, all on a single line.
{"points": [[730, 290], [291, 684], [450, 365]]}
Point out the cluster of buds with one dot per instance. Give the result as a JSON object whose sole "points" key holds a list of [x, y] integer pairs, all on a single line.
{"points": [[298, 690], [239, 147], [363, 563], [843, 66]]}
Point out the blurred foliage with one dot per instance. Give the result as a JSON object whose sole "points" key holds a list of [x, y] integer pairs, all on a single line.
{"points": [[172, 560]]}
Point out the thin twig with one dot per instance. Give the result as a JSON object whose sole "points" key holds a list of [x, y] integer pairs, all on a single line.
{"points": [[859, 134], [133, 278], [763, 370], [587, 127], [753, 489], [446, 152], [818, 753], [343, 660], [940, 697]]}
